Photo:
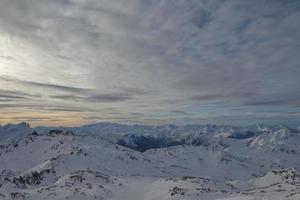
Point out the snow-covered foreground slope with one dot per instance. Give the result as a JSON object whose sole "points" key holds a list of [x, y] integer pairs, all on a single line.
{"points": [[207, 163]]}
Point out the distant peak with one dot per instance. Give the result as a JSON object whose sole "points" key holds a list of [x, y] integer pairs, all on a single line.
{"points": [[24, 124]]}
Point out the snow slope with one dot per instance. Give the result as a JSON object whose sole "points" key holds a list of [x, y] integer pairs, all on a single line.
{"points": [[212, 162]]}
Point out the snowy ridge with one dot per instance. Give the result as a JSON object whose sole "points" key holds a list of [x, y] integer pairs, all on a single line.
{"points": [[142, 138], [13, 132], [208, 162]]}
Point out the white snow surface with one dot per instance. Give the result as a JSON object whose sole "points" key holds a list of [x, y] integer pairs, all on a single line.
{"points": [[86, 163]]}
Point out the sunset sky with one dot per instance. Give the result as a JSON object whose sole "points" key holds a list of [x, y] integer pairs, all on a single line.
{"points": [[72, 62]]}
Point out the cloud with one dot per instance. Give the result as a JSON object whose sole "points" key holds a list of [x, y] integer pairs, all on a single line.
{"points": [[180, 112], [121, 94], [278, 102], [223, 96], [44, 85], [94, 98], [40, 107], [15, 96], [29, 118], [150, 56]]}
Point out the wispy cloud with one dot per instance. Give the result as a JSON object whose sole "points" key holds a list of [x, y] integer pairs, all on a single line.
{"points": [[94, 98], [43, 85], [278, 102], [150, 57]]}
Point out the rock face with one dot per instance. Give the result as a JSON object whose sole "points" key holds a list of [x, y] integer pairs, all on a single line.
{"points": [[191, 162]]}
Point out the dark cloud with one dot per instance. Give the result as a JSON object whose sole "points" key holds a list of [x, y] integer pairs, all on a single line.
{"points": [[123, 94], [16, 96], [181, 112], [65, 109], [278, 102], [44, 85], [107, 118], [94, 98], [41, 107], [225, 95], [56, 87]]}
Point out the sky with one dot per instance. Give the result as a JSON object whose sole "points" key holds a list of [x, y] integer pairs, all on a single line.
{"points": [[72, 62]]}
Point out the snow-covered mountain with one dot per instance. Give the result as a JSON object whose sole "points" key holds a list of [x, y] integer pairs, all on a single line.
{"points": [[13, 132], [142, 137], [122, 162]]}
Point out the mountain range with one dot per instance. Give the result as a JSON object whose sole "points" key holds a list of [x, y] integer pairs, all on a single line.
{"points": [[137, 162]]}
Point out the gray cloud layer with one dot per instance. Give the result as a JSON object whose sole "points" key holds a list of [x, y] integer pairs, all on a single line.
{"points": [[153, 57]]}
